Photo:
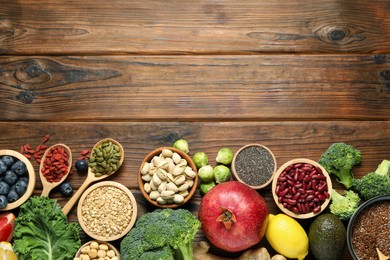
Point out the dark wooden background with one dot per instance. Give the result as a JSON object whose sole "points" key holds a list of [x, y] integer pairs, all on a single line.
{"points": [[293, 75]]}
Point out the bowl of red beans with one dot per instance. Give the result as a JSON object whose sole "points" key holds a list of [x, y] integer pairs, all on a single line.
{"points": [[301, 188]]}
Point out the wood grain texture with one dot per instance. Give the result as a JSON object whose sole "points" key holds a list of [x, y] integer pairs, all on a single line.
{"points": [[182, 27], [180, 88], [288, 140]]}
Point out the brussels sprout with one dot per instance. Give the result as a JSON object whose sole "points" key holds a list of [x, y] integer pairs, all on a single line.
{"points": [[200, 159], [221, 173], [206, 173], [205, 187], [182, 145], [224, 156]]}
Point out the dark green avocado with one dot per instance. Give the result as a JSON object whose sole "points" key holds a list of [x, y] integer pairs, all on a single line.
{"points": [[327, 237]]}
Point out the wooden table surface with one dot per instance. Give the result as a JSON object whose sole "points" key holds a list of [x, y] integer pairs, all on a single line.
{"points": [[295, 76]]}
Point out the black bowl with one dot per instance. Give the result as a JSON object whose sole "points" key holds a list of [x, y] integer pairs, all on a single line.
{"points": [[351, 223]]}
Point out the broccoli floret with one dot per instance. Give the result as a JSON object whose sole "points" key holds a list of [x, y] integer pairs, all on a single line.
{"points": [[339, 159], [161, 234], [374, 183], [344, 206]]}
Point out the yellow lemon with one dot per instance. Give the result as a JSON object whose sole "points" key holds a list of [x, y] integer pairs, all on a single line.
{"points": [[6, 251], [287, 236]]}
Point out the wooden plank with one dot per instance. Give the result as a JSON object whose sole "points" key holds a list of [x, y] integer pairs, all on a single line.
{"points": [[288, 140], [171, 27], [181, 88]]}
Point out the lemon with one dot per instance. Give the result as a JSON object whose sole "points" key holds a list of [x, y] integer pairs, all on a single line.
{"points": [[6, 251], [287, 236]]}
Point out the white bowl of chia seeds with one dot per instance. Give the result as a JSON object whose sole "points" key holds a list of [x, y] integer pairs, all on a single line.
{"points": [[254, 165]]}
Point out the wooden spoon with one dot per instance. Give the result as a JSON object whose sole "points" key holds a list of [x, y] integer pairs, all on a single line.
{"points": [[91, 177], [48, 186], [381, 255]]}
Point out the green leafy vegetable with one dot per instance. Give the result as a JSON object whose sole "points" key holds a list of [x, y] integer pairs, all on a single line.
{"points": [[164, 234], [42, 231]]}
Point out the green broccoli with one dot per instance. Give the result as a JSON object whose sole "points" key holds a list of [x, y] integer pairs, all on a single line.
{"points": [[339, 159], [374, 183], [344, 206], [162, 234]]}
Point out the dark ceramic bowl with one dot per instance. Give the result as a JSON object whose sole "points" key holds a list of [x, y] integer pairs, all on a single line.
{"points": [[351, 223]]}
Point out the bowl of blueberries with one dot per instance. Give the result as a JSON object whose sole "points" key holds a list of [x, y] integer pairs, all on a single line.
{"points": [[17, 179]]}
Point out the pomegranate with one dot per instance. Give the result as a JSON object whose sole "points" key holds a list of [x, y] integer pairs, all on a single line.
{"points": [[234, 216]]}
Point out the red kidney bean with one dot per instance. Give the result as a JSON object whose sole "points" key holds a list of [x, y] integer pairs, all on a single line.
{"points": [[323, 187], [317, 209], [302, 188], [297, 196], [297, 165], [298, 185]]}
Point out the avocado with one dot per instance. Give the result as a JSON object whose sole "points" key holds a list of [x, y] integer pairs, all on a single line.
{"points": [[327, 237]]}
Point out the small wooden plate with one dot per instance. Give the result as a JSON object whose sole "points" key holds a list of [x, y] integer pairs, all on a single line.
{"points": [[235, 174], [91, 177], [280, 205], [48, 186], [107, 184], [183, 155], [31, 179], [110, 247]]}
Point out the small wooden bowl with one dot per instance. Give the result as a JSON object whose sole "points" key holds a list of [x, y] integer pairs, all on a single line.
{"points": [[276, 197], [107, 184], [190, 163], [31, 179], [110, 247], [236, 174]]}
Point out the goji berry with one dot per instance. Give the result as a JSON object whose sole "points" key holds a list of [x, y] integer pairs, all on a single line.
{"points": [[27, 156], [56, 164], [46, 138], [85, 152]]}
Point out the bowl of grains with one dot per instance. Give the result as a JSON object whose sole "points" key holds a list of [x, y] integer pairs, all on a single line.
{"points": [[97, 250], [167, 177], [369, 229], [254, 165], [107, 211], [301, 188]]}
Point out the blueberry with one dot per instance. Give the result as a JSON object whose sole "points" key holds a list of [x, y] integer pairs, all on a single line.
{"points": [[20, 187], [81, 166], [3, 201], [24, 179], [3, 167], [66, 189], [19, 168], [12, 196], [4, 188], [8, 160], [10, 177]]}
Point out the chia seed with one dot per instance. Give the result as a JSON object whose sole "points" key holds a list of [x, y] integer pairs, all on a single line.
{"points": [[371, 231], [254, 165]]}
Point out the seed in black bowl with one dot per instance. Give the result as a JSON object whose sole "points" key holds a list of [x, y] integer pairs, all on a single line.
{"points": [[254, 165]]}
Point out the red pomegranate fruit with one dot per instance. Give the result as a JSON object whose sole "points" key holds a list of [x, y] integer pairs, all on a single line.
{"points": [[234, 216]]}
